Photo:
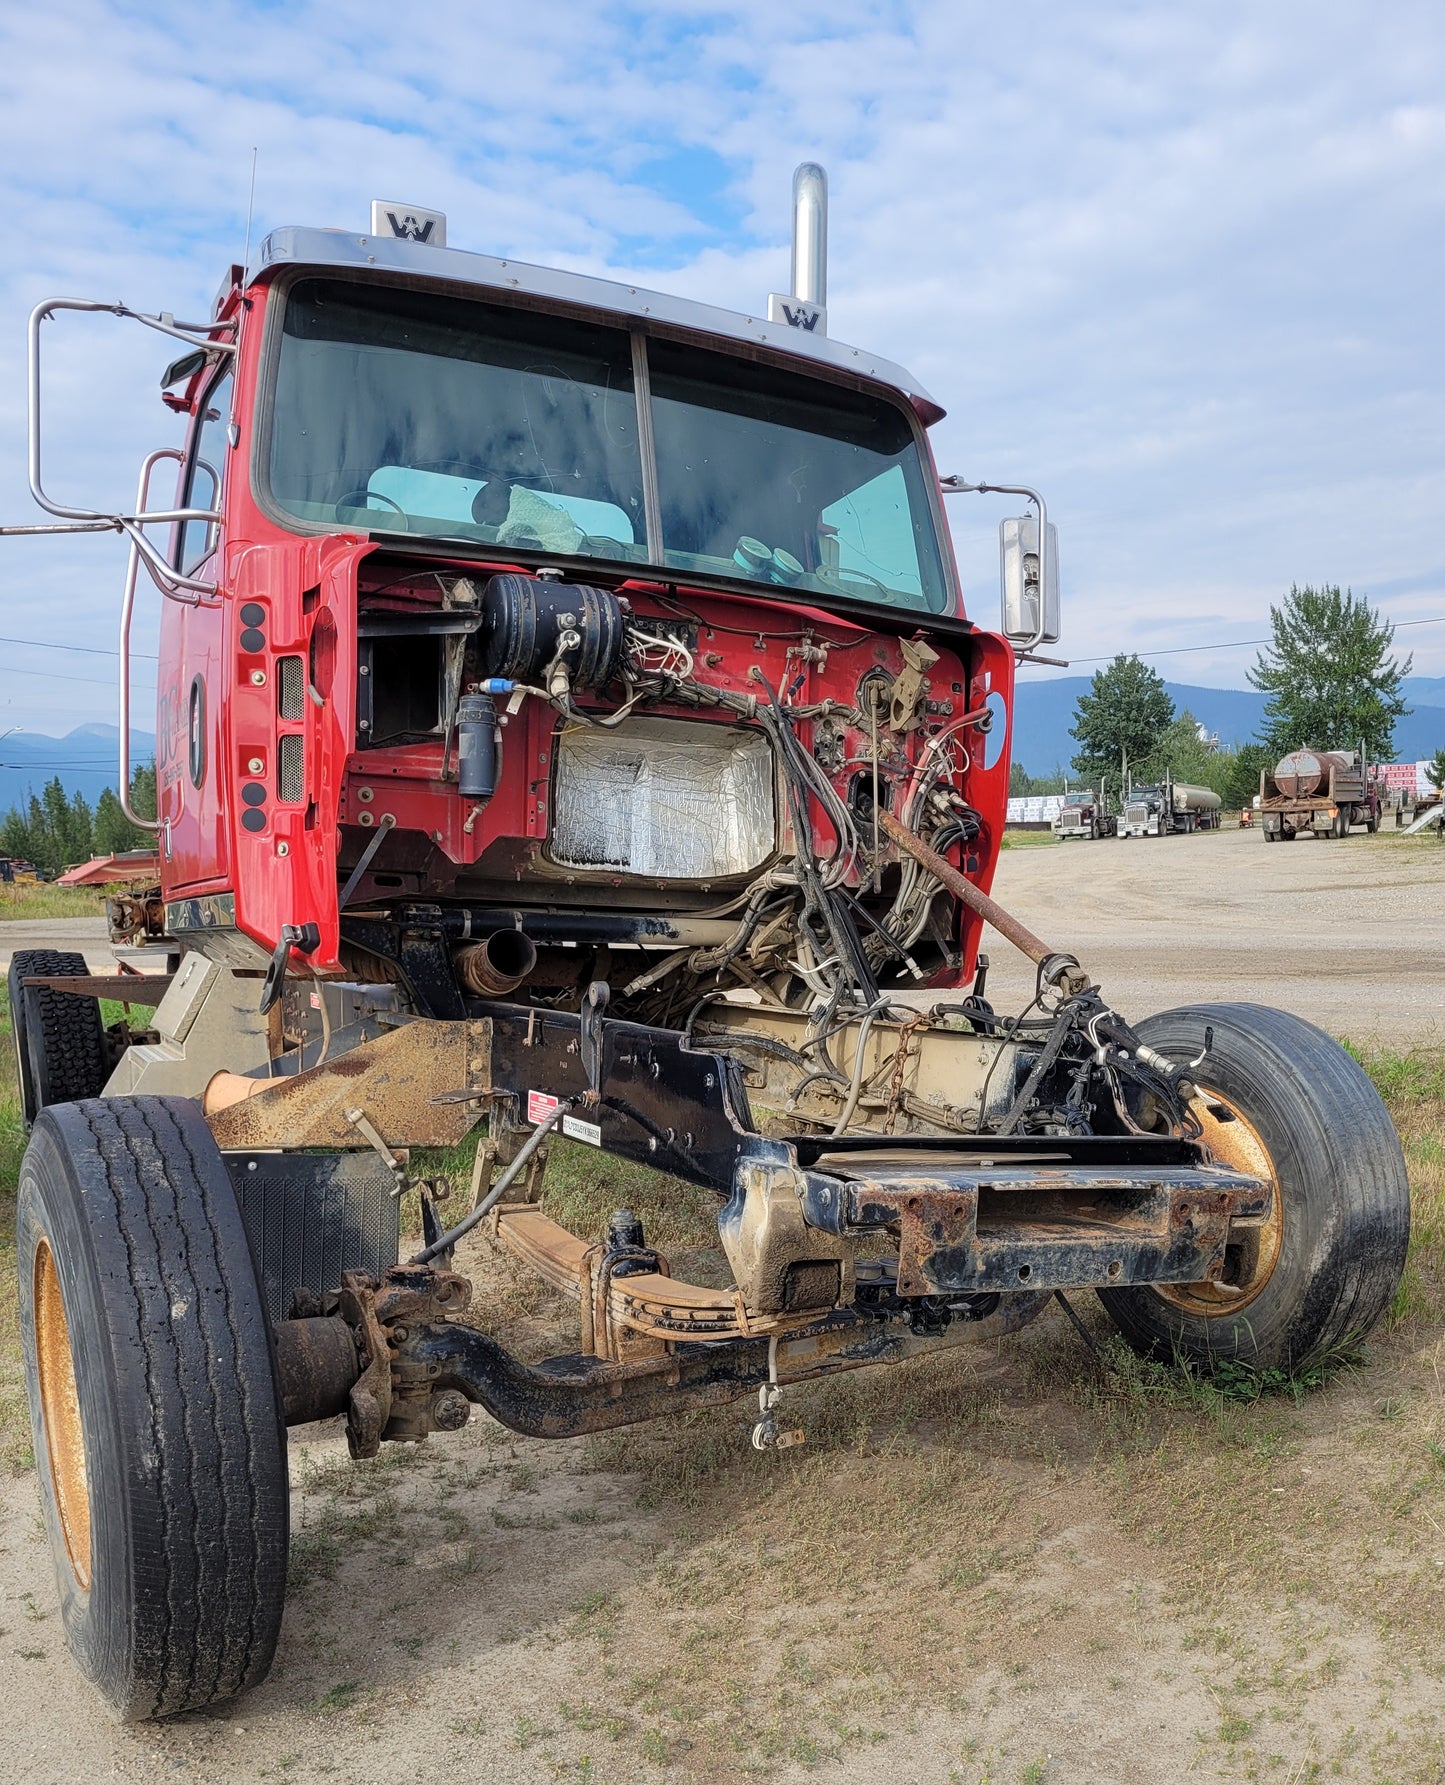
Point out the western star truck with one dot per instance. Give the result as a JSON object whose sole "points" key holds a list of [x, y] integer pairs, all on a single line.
{"points": [[570, 733], [1083, 815], [1169, 807]]}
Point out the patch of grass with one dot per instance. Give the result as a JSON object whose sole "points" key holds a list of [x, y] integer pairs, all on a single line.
{"points": [[341, 1510], [342, 1696], [1413, 1087], [28, 904]]}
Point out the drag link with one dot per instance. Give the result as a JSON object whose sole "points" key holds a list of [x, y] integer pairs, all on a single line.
{"points": [[1056, 968]]}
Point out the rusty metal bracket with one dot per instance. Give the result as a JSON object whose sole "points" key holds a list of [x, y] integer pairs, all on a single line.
{"points": [[930, 1221], [394, 1079], [392, 1397]]}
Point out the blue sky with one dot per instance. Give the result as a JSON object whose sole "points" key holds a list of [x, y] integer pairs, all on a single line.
{"points": [[1178, 267]]}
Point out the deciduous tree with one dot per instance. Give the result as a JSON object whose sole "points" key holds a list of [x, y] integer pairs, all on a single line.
{"points": [[1119, 723]]}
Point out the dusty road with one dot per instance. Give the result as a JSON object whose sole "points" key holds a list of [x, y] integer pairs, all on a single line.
{"points": [[999, 1569], [86, 935], [1349, 934]]}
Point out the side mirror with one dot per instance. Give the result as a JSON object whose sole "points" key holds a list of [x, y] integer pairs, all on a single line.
{"points": [[1025, 622]]}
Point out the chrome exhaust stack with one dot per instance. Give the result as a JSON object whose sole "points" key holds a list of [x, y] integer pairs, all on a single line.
{"points": [[810, 234], [806, 306]]}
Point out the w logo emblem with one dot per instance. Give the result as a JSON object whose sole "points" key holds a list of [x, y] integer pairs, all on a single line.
{"points": [[408, 223], [796, 312]]}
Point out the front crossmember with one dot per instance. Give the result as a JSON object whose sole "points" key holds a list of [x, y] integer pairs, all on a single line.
{"points": [[919, 1226]]}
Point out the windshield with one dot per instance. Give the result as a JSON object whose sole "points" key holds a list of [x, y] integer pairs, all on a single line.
{"points": [[404, 411], [789, 480]]}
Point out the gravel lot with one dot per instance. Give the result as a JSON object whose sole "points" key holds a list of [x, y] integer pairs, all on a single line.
{"points": [[1344, 933]]}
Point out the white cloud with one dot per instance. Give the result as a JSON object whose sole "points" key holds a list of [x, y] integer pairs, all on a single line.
{"points": [[1177, 266]]}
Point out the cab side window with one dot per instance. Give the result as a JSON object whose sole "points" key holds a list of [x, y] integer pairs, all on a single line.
{"points": [[205, 475]]}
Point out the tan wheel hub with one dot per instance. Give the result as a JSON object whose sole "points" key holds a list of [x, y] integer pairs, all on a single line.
{"points": [[60, 1406], [1254, 1247]]}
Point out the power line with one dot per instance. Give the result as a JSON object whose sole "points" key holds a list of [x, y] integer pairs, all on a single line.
{"points": [[1236, 644], [45, 644], [55, 675]]}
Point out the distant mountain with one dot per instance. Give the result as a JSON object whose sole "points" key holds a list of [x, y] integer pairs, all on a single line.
{"points": [[1425, 691], [85, 759], [1045, 711]]}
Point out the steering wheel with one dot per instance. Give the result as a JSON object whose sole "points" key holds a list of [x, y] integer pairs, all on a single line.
{"points": [[367, 498]]}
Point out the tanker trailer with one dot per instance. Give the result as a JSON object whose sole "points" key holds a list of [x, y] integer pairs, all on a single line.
{"points": [[1322, 791], [1170, 806]]}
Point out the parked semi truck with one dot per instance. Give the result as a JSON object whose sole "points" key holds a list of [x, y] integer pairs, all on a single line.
{"points": [[569, 726], [1083, 814], [1170, 806], [1324, 792]]}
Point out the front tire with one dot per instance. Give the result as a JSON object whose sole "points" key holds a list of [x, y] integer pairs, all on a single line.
{"points": [[156, 1417], [1322, 1269]]}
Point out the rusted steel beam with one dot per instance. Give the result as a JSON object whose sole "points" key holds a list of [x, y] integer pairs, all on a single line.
{"points": [[124, 988], [565, 1397], [1070, 1228]]}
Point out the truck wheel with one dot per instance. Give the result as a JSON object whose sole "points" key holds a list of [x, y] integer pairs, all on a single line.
{"points": [[59, 1041], [1321, 1270], [154, 1406]]}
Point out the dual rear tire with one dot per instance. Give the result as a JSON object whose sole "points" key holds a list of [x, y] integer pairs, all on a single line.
{"points": [[60, 1052]]}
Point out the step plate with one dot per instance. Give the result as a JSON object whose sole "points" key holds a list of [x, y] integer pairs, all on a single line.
{"points": [[1022, 1227]]}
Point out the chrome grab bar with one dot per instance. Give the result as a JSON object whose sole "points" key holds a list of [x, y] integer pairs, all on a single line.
{"points": [[127, 608], [89, 520], [195, 334]]}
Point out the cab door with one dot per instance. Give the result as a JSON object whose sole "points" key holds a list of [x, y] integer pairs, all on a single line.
{"points": [[190, 719]]}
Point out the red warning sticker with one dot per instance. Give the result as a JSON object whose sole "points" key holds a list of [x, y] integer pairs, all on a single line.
{"points": [[540, 1106]]}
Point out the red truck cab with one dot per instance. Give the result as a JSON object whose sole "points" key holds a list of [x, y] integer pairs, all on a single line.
{"points": [[421, 458]]}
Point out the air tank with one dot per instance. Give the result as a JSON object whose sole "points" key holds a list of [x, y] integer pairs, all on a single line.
{"points": [[1304, 772]]}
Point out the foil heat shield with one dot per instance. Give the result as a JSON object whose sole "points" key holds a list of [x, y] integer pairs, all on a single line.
{"points": [[669, 799]]}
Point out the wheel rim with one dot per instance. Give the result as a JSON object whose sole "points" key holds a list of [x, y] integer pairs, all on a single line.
{"points": [[1253, 1252], [60, 1407]]}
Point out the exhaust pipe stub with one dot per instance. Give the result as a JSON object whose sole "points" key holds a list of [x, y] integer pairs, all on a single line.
{"points": [[497, 966]]}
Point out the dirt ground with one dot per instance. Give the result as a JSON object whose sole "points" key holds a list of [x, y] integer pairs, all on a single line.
{"points": [[1343, 932], [1004, 1565]]}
